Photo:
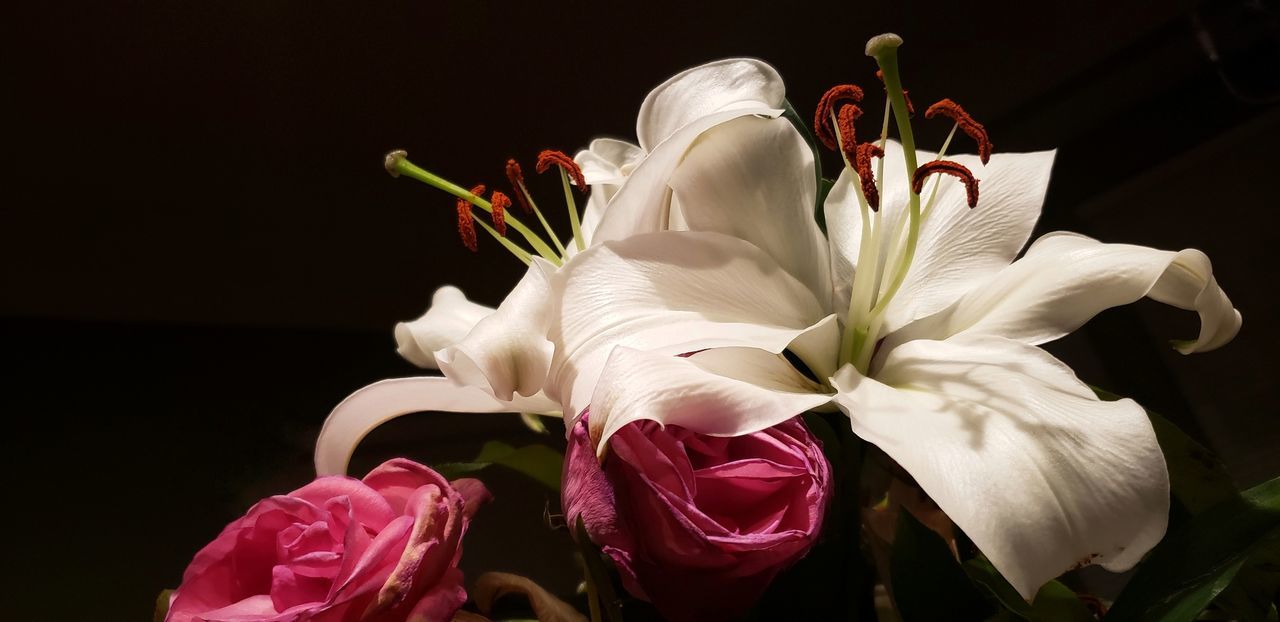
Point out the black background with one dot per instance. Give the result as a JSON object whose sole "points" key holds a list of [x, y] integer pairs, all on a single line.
{"points": [[202, 254]]}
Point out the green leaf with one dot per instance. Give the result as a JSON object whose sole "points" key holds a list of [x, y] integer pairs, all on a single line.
{"points": [[1197, 477], [540, 462], [822, 188], [162, 605], [1194, 564], [928, 583], [1252, 596], [1054, 602]]}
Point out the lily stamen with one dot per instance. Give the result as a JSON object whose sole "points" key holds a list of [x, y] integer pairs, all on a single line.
{"points": [[862, 163], [840, 94], [568, 168], [948, 167], [844, 127], [500, 204], [966, 123], [516, 176], [467, 221], [397, 163]]}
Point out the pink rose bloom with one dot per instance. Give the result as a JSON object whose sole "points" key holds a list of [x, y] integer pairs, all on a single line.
{"points": [[699, 525], [339, 549]]}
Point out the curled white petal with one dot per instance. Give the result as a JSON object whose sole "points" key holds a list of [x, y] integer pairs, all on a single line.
{"points": [[1037, 471], [703, 90], [606, 164], [1065, 279], [752, 178], [642, 205], [383, 401], [449, 318], [720, 392], [508, 352]]}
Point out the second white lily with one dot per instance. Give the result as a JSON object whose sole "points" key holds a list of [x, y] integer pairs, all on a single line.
{"points": [[742, 322]]}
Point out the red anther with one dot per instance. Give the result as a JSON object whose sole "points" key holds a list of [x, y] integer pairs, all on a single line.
{"points": [[848, 137], [836, 95], [466, 222], [558, 158], [951, 168], [516, 177], [906, 95], [953, 111], [500, 204], [862, 164]]}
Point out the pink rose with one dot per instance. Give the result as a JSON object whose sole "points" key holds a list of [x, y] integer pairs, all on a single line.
{"points": [[699, 525], [339, 549]]}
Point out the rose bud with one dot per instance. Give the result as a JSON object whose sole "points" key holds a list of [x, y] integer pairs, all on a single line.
{"points": [[699, 525]]}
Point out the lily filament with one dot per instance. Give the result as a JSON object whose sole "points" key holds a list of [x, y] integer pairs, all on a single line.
{"points": [[497, 206], [875, 283]]}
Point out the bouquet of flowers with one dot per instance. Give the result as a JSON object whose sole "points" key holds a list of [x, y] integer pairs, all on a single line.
{"points": [[786, 394]]}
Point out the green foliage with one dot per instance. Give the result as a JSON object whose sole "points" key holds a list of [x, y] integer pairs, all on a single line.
{"points": [[1253, 595], [927, 581], [1194, 564], [823, 186], [537, 461], [1054, 602], [1227, 553]]}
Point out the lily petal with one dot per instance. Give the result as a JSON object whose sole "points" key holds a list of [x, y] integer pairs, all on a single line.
{"points": [[752, 178], [672, 293], [606, 163], [958, 246], [1065, 279], [383, 401], [508, 352], [703, 90], [449, 318], [1037, 471], [642, 205], [719, 392]]}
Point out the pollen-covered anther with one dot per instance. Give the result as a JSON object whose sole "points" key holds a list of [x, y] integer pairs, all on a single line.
{"points": [[950, 168], [516, 176], [906, 95], [848, 137], [862, 164], [466, 222], [500, 204], [549, 157], [835, 96], [967, 124]]}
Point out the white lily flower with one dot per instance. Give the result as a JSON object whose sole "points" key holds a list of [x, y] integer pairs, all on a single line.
{"points": [[916, 321], [496, 360]]}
